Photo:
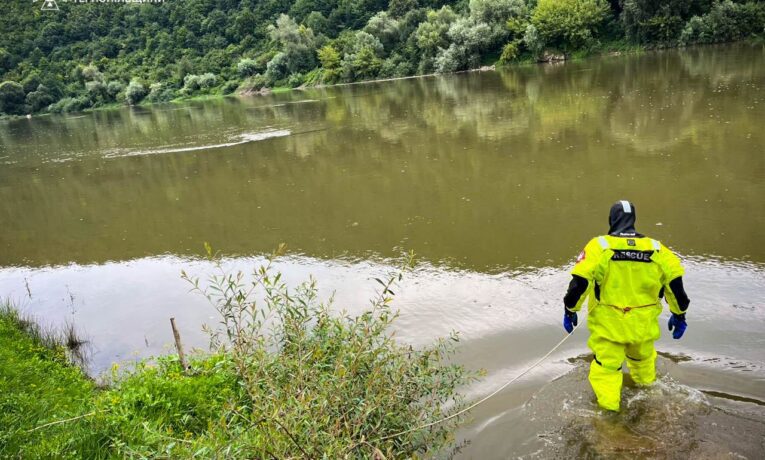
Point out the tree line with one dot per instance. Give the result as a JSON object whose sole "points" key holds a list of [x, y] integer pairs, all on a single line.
{"points": [[92, 54]]}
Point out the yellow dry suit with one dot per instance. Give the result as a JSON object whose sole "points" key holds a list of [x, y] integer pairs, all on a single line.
{"points": [[626, 278]]}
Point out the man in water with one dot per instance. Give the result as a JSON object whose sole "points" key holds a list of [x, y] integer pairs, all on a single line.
{"points": [[624, 274]]}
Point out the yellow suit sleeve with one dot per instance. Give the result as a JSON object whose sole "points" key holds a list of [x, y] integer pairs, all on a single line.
{"points": [[588, 261], [671, 269]]}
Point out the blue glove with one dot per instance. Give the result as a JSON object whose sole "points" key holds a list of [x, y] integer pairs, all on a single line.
{"points": [[677, 322], [570, 320]]}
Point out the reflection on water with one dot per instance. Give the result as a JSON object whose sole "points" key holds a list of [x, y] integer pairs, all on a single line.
{"points": [[496, 180], [485, 171]]}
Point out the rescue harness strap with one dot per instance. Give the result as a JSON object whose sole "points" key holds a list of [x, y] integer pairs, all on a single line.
{"points": [[484, 399], [627, 309]]}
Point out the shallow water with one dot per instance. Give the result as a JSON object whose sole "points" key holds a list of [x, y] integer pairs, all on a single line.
{"points": [[667, 420], [496, 180]]}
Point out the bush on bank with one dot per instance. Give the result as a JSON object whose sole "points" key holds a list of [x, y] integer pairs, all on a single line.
{"points": [[89, 54], [286, 379]]}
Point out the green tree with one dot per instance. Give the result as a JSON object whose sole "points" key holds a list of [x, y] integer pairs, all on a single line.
{"points": [[296, 42], [247, 67], [96, 91], [277, 68], [159, 92], [649, 21], [468, 39], [399, 8], [317, 22], [509, 53], [244, 24], [164, 43], [90, 73], [6, 60], [432, 34], [31, 82], [366, 64], [726, 21], [385, 28], [12, 98], [497, 11], [301, 9], [51, 35], [113, 88], [363, 40], [353, 14], [533, 41], [207, 80], [135, 92], [330, 63], [362, 56], [39, 99], [329, 57], [569, 24]]}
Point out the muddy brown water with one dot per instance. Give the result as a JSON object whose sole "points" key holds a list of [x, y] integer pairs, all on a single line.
{"points": [[496, 180]]}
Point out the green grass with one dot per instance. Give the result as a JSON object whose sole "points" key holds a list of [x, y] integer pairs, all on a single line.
{"points": [[313, 384], [281, 89], [39, 385], [197, 97]]}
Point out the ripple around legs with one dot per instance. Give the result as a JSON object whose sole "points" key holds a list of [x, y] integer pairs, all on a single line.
{"points": [[666, 420]]}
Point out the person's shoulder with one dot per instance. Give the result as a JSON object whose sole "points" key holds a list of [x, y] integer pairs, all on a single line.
{"points": [[664, 252], [656, 243], [649, 239], [597, 243]]}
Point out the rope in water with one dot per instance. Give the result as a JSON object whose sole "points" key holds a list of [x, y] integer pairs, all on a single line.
{"points": [[485, 398]]}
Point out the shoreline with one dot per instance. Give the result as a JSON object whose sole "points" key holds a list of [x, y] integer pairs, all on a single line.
{"points": [[609, 50], [238, 394]]}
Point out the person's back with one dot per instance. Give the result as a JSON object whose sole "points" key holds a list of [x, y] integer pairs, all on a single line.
{"points": [[624, 274]]}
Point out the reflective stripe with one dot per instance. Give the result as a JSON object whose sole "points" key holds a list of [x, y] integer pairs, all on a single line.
{"points": [[626, 206], [603, 242], [656, 244], [604, 367]]}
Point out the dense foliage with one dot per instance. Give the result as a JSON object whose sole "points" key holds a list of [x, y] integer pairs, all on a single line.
{"points": [[95, 54], [286, 379]]}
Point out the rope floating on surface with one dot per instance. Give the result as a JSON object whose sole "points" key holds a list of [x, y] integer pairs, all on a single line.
{"points": [[485, 398]]}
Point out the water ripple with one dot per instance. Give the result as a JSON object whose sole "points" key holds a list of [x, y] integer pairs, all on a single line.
{"points": [[240, 139]]}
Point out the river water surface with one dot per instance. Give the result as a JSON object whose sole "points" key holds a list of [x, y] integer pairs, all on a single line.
{"points": [[496, 180]]}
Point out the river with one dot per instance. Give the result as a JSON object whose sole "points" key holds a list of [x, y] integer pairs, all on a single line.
{"points": [[496, 180]]}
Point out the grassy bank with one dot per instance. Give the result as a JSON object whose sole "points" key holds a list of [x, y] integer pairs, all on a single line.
{"points": [[38, 383], [310, 384]]}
